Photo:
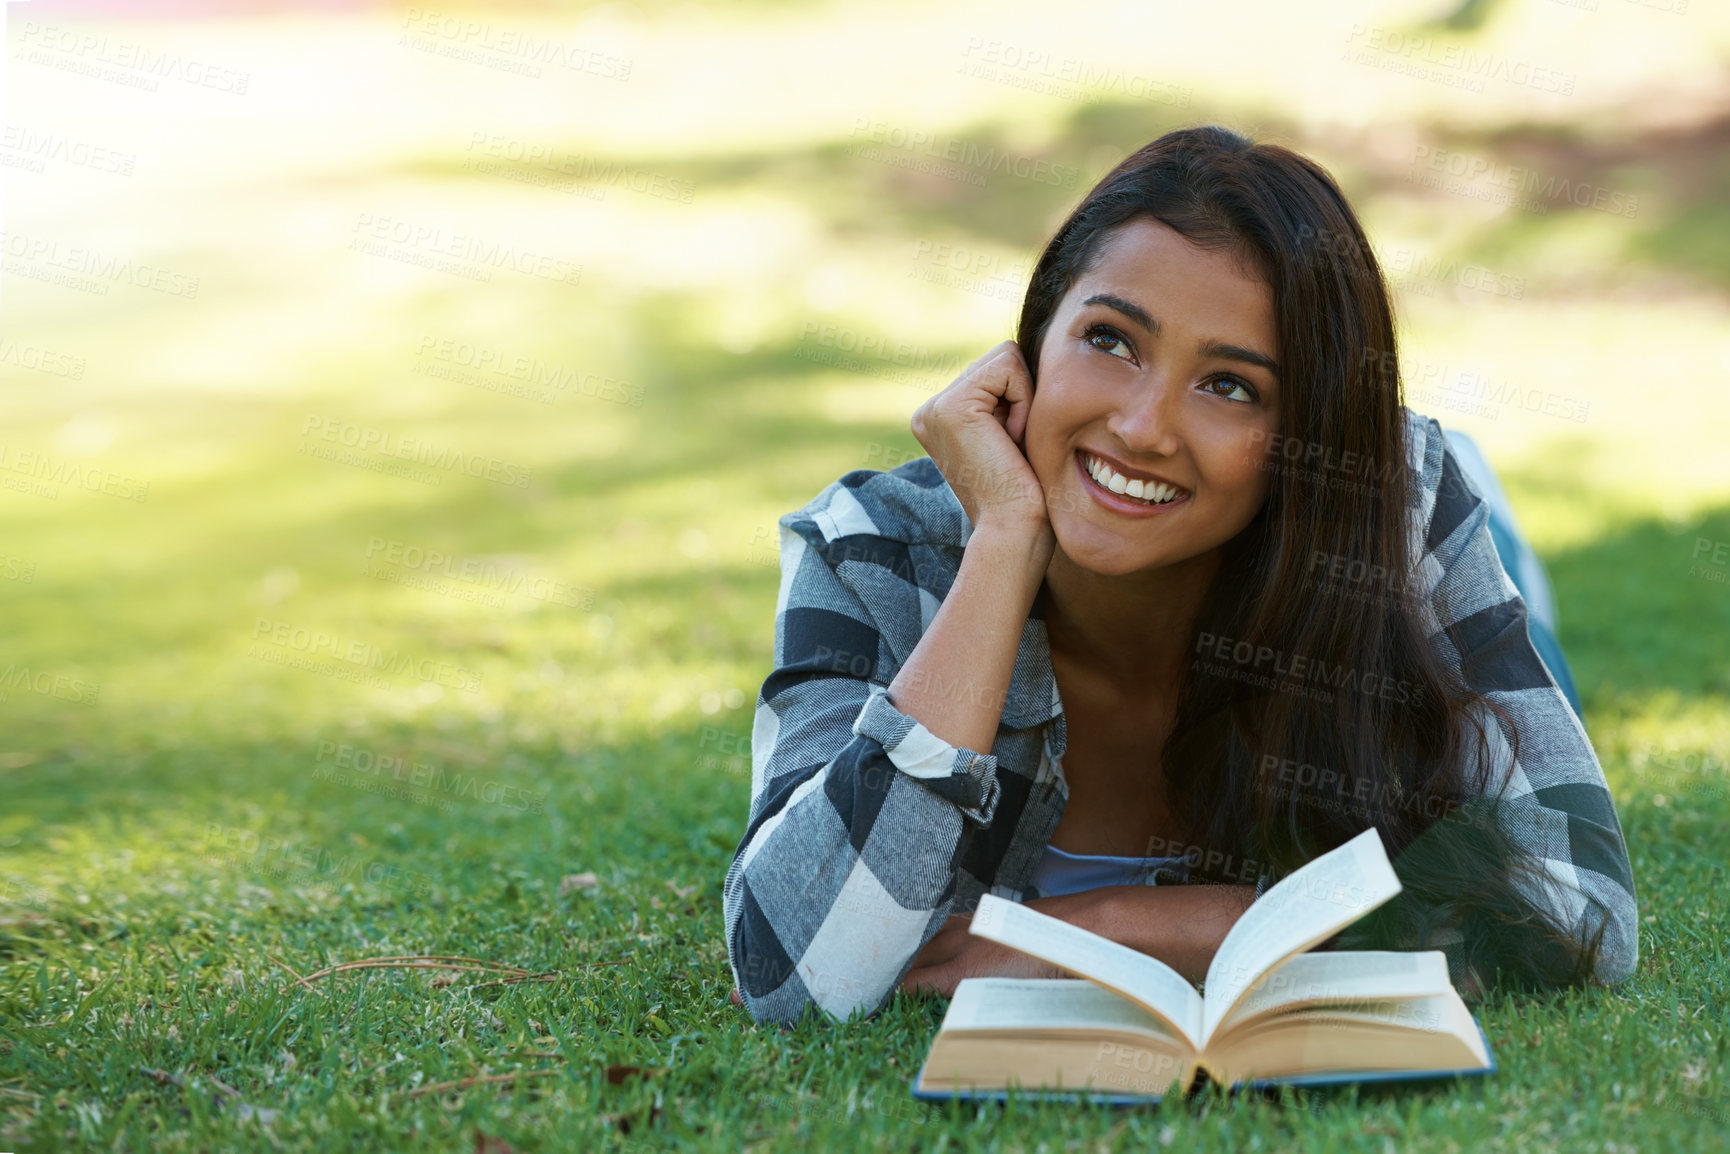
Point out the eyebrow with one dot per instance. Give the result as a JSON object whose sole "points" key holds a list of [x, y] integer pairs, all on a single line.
{"points": [[1207, 348]]}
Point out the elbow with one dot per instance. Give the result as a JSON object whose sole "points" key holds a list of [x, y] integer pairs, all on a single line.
{"points": [[1605, 940], [777, 989], [1619, 952], [777, 993]]}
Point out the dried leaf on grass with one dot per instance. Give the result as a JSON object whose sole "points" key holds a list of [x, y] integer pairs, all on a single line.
{"points": [[616, 1075], [575, 883]]}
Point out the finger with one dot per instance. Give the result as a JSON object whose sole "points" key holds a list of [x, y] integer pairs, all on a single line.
{"points": [[930, 980], [993, 372], [938, 950], [1019, 393]]}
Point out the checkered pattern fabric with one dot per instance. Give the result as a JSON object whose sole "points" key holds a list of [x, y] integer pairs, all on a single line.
{"points": [[867, 831]]}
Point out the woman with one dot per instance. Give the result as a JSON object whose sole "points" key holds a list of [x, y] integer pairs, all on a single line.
{"points": [[1182, 595]]}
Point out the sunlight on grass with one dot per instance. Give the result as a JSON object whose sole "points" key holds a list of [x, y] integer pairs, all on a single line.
{"points": [[509, 525]]}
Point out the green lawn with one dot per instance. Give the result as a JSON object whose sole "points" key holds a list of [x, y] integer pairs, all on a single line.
{"points": [[251, 728]]}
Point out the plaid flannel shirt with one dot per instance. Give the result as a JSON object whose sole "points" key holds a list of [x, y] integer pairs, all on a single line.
{"points": [[867, 831]]}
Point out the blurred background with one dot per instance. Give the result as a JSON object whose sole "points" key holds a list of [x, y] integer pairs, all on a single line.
{"points": [[398, 402]]}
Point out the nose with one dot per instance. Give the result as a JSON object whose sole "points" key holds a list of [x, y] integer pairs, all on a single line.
{"points": [[1147, 419]]}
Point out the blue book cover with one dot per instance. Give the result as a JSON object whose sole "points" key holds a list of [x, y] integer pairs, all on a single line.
{"points": [[1330, 1078]]}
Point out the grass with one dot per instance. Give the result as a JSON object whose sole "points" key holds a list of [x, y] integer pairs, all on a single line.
{"points": [[548, 773]]}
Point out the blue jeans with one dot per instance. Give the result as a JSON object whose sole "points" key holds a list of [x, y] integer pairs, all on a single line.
{"points": [[1522, 565]]}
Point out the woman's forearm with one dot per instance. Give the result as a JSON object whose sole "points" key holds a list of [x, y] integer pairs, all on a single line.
{"points": [[957, 679], [1181, 925]]}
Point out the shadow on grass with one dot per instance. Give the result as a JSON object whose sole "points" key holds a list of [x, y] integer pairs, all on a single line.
{"points": [[909, 179], [1667, 191]]}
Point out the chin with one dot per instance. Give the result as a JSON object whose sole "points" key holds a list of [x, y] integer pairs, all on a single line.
{"points": [[1099, 550]]}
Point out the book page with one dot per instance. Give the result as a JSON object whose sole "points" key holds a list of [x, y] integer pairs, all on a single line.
{"points": [[1047, 1004], [1342, 976], [1144, 980], [1310, 906], [979, 1065], [1403, 1034]]}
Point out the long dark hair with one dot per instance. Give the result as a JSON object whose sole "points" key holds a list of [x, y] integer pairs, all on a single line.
{"points": [[1316, 705]]}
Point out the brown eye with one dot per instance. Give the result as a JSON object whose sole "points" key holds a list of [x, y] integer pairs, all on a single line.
{"points": [[1103, 337], [1249, 395]]}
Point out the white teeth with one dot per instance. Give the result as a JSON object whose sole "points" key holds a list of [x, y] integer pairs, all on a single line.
{"points": [[1153, 492]]}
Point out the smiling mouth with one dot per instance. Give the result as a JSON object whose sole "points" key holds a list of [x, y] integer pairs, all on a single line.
{"points": [[1149, 493]]}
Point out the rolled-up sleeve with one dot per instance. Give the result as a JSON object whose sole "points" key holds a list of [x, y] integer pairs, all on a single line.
{"points": [[848, 861], [1554, 799]]}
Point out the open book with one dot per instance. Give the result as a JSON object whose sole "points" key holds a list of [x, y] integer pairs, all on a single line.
{"points": [[1136, 1029]]}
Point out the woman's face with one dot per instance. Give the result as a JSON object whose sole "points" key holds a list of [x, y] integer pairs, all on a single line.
{"points": [[1159, 365]]}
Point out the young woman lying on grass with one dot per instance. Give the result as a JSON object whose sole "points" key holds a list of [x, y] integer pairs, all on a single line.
{"points": [[1183, 597]]}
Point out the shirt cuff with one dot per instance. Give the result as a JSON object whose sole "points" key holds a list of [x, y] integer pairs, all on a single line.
{"points": [[967, 778]]}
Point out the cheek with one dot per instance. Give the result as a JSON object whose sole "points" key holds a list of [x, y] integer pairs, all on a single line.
{"points": [[1237, 471], [1042, 442]]}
